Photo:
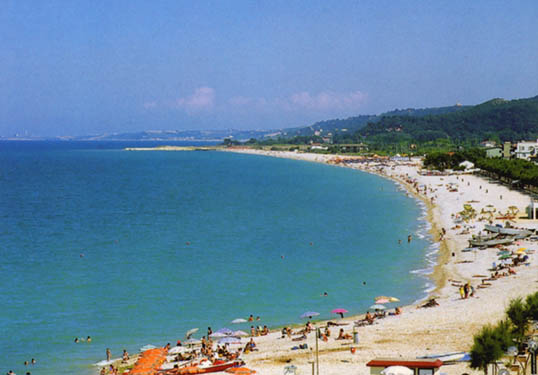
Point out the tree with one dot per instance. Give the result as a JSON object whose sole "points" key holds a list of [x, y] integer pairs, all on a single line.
{"points": [[486, 348], [532, 306], [517, 313]]}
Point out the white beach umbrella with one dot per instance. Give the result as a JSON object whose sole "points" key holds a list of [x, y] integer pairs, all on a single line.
{"points": [[190, 332], [177, 349], [239, 320], [397, 370]]}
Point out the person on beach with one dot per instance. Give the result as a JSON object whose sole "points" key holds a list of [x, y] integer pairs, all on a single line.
{"points": [[32, 361], [76, 340], [103, 371], [369, 318], [343, 336], [108, 354], [250, 318], [409, 238], [88, 339], [252, 331], [125, 356], [209, 331]]}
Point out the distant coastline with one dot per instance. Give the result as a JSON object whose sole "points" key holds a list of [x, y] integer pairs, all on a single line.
{"points": [[173, 148]]}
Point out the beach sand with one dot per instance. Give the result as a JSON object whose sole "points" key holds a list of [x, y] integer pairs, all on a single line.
{"points": [[446, 328]]}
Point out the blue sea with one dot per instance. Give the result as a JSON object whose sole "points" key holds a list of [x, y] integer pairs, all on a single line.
{"points": [[136, 248]]}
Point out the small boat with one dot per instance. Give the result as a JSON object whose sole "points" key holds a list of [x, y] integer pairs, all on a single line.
{"points": [[491, 243], [486, 237], [508, 231]]}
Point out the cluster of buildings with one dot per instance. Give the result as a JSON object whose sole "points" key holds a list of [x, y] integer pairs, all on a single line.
{"points": [[527, 150]]}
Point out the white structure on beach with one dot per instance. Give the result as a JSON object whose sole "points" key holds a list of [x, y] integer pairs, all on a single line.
{"points": [[467, 164], [526, 149]]}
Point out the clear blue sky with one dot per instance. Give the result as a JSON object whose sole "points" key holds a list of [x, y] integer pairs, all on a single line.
{"points": [[85, 67]]}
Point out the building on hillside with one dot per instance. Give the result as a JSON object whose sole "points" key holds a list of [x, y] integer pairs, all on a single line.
{"points": [[526, 149], [488, 144], [507, 150], [494, 152]]}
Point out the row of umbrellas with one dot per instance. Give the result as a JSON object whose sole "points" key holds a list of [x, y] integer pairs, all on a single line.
{"points": [[228, 336], [377, 306]]}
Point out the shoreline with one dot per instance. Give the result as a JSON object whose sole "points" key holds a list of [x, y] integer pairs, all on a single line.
{"points": [[442, 329]]}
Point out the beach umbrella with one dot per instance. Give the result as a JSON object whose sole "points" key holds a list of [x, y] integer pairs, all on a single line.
{"points": [[239, 333], [377, 306], [239, 320], [506, 256], [191, 342], [176, 350], [397, 370], [226, 331], [309, 314], [339, 311], [230, 340], [382, 300], [385, 298], [218, 335], [190, 332]]}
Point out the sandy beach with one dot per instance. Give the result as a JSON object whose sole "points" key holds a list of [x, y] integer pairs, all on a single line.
{"points": [[446, 328]]}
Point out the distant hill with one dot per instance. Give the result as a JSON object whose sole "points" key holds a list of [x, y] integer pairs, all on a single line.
{"points": [[495, 119], [352, 124], [178, 135]]}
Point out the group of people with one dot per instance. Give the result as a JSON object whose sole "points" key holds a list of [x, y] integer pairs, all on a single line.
{"points": [[88, 339], [26, 363], [259, 331], [466, 291]]}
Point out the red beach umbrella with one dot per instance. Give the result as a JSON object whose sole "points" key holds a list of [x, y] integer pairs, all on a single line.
{"points": [[339, 311]]}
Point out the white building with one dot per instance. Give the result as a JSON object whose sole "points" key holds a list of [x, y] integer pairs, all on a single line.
{"points": [[526, 149]]}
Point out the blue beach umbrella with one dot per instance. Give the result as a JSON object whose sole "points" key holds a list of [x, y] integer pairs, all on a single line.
{"points": [[309, 314]]}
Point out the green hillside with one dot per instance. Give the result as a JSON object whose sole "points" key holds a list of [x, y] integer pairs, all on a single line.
{"points": [[496, 119], [343, 127]]}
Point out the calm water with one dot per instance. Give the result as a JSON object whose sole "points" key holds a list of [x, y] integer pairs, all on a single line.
{"points": [[135, 248]]}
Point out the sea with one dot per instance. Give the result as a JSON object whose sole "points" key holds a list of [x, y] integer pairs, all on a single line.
{"points": [[135, 248]]}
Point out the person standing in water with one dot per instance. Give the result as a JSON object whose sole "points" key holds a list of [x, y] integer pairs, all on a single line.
{"points": [[108, 354]]}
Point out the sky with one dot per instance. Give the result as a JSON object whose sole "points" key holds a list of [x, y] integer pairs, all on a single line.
{"points": [[92, 67]]}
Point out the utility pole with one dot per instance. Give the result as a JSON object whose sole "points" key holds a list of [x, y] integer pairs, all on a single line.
{"points": [[317, 351]]}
